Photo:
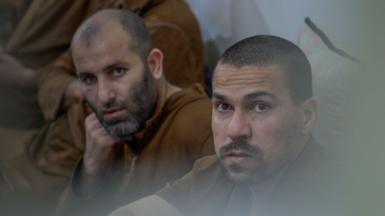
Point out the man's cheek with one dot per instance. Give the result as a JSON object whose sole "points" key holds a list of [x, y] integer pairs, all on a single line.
{"points": [[218, 142], [93, 106], [219, 130]]}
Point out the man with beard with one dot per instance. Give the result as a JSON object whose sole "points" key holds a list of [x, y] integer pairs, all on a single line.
{"points": [[37, 77], [143, 131], [266, 161]]}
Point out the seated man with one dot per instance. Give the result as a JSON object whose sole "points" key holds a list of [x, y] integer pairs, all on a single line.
{"points": [[266, 161], [41, 43], [143, 131], [34, 51]]}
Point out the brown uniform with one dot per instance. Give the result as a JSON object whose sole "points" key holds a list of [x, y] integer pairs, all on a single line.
{"points": [[308, 186], [172, 140], [43, 35]]}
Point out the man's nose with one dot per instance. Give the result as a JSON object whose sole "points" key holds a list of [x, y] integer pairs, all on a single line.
{"points": [[106, 92], [239, 126]]}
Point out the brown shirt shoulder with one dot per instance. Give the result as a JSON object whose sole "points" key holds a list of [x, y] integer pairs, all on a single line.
{"points": [[205, 183], [188, 116]]}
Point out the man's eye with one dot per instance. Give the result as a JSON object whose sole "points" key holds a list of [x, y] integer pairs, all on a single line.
{"points": [[117, 72], [260, 107], [88, 80], [223, 107]]}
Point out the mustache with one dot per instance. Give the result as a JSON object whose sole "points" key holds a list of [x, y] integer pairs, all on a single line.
{"points": [[239, 144], [107, 106]]}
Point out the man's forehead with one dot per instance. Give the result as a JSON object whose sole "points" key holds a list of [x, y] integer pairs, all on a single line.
{"points": [[229, 76], [95, 31], [103, 54], [115, 40]]}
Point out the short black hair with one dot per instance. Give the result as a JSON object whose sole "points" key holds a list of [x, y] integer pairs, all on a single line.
{"points": [[138, 35], [265, 50]]}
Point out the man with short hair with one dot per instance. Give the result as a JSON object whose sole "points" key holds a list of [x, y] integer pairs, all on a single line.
{"points": [[40, 41], [143, 131], [266, 161]]}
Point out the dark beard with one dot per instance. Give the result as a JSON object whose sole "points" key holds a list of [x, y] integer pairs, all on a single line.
{"points": [[141, 102]]}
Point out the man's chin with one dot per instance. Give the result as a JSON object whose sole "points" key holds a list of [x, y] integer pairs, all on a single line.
{"points": [[243, 174], [238, 174], [113, 121], [240, 178], [122, 130]]}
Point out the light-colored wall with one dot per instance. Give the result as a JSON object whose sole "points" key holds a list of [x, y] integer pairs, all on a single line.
{"points": [[223, 22]]}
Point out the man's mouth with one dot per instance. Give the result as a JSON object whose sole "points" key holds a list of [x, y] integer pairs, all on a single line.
{"points": [[113, 113], [237, 157], [237, 154]]}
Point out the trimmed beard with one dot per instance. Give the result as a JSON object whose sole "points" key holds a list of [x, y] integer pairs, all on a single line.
{"points": [[140, 103]]}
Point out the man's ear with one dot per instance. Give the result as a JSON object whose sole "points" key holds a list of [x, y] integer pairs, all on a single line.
{"points": [[155, 63], [309, 112]]}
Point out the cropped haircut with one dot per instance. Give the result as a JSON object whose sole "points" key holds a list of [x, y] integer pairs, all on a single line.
{"points": [[139, 39], [267, 50]]}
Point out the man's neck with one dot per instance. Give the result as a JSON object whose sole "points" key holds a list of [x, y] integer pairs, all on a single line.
{"points": [[268, 185], [165, 90], [263, 190]]}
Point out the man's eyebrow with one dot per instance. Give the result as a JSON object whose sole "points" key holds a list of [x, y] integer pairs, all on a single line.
{"points": [[82, 73], [249, 96], [113, 65], [258, 94], [218, 96]]}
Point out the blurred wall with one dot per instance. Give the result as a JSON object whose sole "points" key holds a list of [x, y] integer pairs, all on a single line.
{"points": [[224, 22]]}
